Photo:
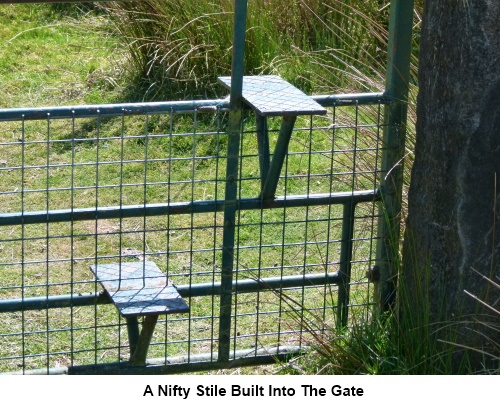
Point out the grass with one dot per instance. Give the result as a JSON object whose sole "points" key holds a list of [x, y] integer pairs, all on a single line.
{"points": [[179, 48], [44, 61], [403, 342], [322, 47]]}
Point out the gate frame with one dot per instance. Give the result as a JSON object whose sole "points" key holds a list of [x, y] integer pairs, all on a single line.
{"points": [[397, 87]]}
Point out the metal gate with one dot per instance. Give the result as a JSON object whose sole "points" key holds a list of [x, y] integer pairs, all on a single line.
{"points": [[223, 231]]}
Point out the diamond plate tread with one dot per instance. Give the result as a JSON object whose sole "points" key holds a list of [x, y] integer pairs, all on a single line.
{"points": [[139, 288], [272, 96]]}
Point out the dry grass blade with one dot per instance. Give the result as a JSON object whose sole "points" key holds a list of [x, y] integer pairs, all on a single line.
{"points": [[469, 348], [482, 302], [489, 280]]}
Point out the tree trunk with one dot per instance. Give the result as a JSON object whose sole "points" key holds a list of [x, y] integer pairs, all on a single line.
{"points": [[453, 203]]}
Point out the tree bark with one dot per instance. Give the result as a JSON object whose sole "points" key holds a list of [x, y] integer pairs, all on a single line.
{"points": [[452, 228]]}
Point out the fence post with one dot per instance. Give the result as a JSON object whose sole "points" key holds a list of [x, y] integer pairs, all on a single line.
{"points": [[391, 176], [234, 134]]}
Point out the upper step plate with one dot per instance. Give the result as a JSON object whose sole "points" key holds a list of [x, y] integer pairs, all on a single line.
{"points": [[272, 96]]}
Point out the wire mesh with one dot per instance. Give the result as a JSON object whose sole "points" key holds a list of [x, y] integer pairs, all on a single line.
{"points": [[78, 191]]}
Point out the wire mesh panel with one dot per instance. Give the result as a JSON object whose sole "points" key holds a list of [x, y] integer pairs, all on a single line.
{"points": [[82, 188], [102, 162]]}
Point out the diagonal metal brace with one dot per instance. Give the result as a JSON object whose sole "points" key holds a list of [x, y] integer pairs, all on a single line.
{"points": [[270, 182], [139, 355]]}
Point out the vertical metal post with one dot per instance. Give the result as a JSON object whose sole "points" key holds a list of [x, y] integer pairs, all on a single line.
{"points": [[133, 332], [345, 263], [138, 357], [391, 176], [234, 134]]}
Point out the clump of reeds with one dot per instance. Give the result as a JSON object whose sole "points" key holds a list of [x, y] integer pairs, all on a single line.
{"points": [[180, 47]]}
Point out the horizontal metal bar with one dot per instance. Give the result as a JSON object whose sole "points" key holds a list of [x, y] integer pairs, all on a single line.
{"points": [[339, 100], [107, 110], [255, 285], [186, 291], [179, 364], [54, 301], [110, 110], [130, 211]]}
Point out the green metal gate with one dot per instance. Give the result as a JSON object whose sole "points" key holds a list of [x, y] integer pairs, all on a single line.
{"points": [[229, 229]]}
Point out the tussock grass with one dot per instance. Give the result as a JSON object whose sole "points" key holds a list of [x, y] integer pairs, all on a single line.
{"points": [[179, 47], [404, 341]]}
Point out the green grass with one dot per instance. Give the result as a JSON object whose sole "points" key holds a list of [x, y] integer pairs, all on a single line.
{"points": [[49, 58]]}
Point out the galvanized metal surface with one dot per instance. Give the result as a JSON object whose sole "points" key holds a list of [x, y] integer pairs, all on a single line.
{"points": [[235, 126], [151, 210], [139, 288], [185, 291], [271, 178], [177, 107], [180, 364], [272, 96], [110, 110]]}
